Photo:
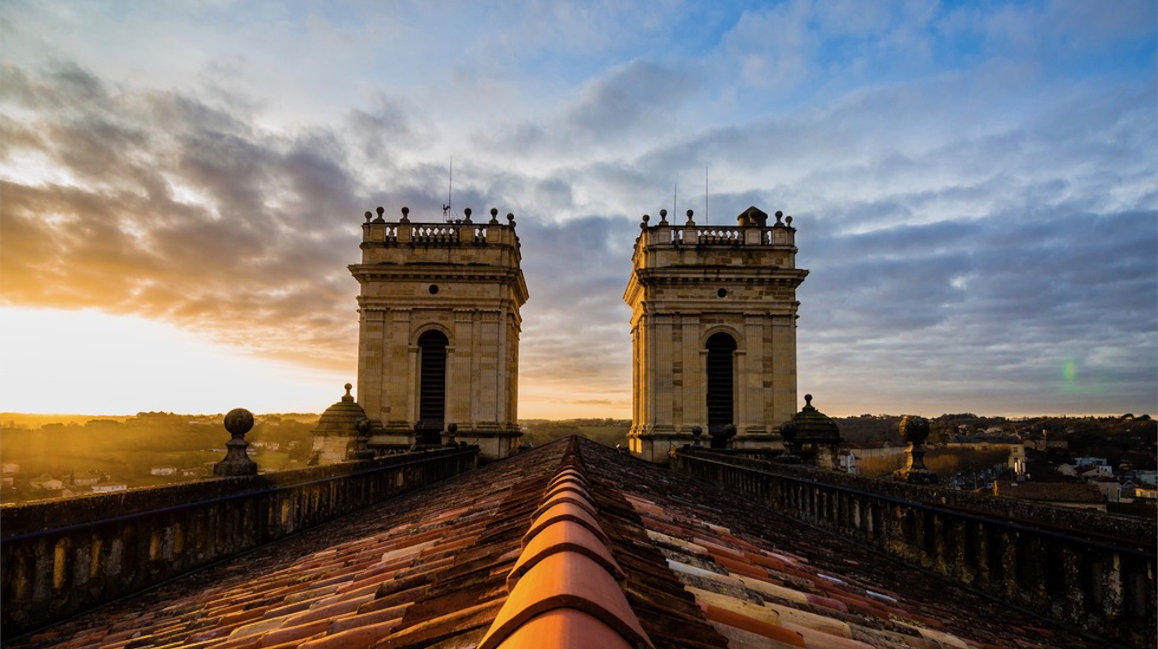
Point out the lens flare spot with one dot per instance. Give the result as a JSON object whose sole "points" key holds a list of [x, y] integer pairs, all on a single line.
{"points": [[1070, 372]]}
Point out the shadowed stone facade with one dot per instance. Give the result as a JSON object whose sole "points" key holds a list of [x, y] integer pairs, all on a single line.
{"points": [[713, 330], [439, 331]]}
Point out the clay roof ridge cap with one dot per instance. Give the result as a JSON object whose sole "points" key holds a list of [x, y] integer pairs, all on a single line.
{"points": [[569, 497], [577, 549], [564, 535], [567, 581], [566, 510]]}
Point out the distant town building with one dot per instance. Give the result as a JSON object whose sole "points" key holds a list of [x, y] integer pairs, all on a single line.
{"points": [[85, 479], [848, 461], [1111, 489], [109, 487], [439, 325], [46, 482], [163, 470], [713, 330]]}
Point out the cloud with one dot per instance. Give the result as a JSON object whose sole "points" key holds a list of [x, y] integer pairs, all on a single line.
{"points": [[179, 210], [973, 187]]}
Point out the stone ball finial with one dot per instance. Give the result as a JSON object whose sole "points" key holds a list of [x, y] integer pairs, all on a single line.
{"points": [[368, 216], [663, 215], [466, 213], [690, 214], [362, 426], [348, 386], [779, 215], [788, 220], [914, 430], [494, 212], [238, 422], [808, 401], [697, 431], [405, 214], [381, 210], [511, 218]]}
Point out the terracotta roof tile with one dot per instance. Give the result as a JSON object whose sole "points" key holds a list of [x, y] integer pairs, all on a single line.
{"points": [[754, 625]]}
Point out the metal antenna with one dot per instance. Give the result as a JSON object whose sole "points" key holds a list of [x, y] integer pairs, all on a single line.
{"points": [[449, 192], [674, 203], [706, 221]]}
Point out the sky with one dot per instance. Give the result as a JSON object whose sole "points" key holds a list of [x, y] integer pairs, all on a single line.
{"points": [[974, 187]]}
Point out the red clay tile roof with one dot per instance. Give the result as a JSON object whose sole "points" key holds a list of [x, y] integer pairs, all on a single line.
{"points": [[1057, 492], [570, 545]]}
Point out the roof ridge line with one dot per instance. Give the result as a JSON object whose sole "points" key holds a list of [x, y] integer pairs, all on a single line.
{"points": [[564, 589]]}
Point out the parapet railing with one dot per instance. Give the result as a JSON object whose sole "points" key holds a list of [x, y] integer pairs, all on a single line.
{"points": [[1100, 583], [747, 233], [62, 557], [450, 233]]}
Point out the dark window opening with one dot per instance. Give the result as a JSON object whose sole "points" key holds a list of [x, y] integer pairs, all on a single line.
{"points": [[431, 386], [433, 289], [721, 350], [722, 292]]}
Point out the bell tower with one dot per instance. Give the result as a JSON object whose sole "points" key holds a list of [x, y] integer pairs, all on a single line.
{"points": [[439, 323], [713, 330]]}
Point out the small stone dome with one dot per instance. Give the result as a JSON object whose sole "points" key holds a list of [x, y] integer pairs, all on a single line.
{"points": [[815, 427], [342, 417]]}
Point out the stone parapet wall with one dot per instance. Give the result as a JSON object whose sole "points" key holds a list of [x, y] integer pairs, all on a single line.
{"points": [[66, 556], [1089, 571]]}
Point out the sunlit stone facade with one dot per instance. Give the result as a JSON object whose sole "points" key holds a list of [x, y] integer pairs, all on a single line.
{"points": [[439, 330], [713, 329]]}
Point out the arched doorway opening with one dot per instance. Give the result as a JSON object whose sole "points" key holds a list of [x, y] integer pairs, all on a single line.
{"points": [[431, 386], [721, 352]]}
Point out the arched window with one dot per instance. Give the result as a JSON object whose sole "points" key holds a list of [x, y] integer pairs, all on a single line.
{"points": [[431, 386], [721, 350]]}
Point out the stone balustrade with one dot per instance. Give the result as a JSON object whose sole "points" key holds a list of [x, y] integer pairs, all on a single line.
{"points": [[747, 233], [1089, 571], [65, 556], [377, 231]]}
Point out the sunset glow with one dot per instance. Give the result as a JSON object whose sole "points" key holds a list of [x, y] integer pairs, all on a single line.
{"points": [[88, 362]]}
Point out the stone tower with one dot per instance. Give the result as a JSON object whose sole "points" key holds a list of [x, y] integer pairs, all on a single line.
{"points": [[438, 343], [713, 330]]}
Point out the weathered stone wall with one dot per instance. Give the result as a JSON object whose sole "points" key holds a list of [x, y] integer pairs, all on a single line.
{"points": [[688, 283], [62, 557], [464, 280], [1087, 570]]}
